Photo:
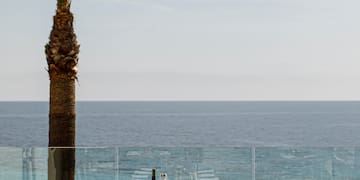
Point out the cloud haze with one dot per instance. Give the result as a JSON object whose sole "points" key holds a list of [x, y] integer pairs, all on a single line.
{"points": [[190, 49]]}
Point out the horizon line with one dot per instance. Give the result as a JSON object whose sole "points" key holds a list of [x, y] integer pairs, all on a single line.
{"points": [[194, 100]]}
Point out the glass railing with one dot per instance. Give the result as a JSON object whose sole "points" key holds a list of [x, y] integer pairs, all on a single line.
{"points": [[135, 163]]}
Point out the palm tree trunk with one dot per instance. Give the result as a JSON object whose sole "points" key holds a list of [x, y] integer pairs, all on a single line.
{"points": [[62, 58]]}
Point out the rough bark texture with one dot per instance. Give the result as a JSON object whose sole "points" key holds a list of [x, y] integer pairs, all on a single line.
{"points": [[62, 113], [62, 58], [62, 50]]}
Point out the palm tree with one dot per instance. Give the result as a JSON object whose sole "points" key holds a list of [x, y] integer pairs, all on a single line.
{"points": [[62, 58]]}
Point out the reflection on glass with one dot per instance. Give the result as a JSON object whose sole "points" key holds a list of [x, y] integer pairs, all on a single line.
{"points": [[186, 163], [189, 163], [61, 163], [28, 155], [307, 163], [23, 163], [96, 163]]}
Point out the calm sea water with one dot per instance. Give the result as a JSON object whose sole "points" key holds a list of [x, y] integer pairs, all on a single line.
{"points": [[175, 124]]}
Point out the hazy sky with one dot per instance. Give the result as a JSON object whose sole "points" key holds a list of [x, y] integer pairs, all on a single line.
{"points": [[190, 49]]}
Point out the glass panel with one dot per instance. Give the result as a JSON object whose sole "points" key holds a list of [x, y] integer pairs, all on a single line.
{"points": [[186, 163], [10, 163], [346, 163], [23, 163], [96, 163], [306, 163], [226, 163], [190, 163]]}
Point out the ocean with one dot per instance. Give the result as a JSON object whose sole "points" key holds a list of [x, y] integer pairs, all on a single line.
{"points": [[190, 140], [190, 124]]}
